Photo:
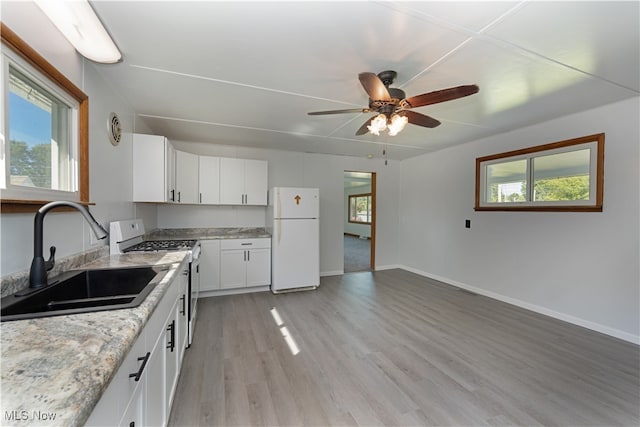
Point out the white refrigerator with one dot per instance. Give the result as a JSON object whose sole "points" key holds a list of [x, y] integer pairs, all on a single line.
{"points": [[293, 220]]}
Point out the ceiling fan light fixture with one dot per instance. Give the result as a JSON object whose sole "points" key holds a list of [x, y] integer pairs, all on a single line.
{"points": [[378, 124], [397, 124]]}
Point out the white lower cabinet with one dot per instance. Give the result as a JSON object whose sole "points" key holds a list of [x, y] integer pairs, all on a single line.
{"points": [[259, 267], [210, 265], [133, 414], [245, 263], [142, 390], [154, 408]]}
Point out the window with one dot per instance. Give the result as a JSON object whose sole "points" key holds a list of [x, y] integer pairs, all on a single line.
{"points": [[41, 152], [360, 208], [561, 176], [44, 126]]}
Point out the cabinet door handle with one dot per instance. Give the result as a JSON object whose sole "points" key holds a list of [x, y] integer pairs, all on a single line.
{"points": [[173, 195], [178, 196], [248, 255], [183, 299], [246, 244], [172, 343], [200, 197], [137, 375]]}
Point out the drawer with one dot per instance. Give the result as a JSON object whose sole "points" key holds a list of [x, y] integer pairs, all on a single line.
{"points": [[261, 243]]}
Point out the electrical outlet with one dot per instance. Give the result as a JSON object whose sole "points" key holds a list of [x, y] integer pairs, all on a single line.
{"points": [[467, 223]]}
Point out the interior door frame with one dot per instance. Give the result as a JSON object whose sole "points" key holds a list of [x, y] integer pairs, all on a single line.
{"points": [[372, 244], [373, 221]]}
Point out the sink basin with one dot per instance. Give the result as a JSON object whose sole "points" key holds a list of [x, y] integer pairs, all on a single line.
{"points": [[84, 291]]}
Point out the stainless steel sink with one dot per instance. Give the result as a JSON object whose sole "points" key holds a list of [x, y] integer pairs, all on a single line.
{"points": [[84, 291]]}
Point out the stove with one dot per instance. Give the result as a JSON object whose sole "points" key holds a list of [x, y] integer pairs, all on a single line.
{"points": [[127, 237]]}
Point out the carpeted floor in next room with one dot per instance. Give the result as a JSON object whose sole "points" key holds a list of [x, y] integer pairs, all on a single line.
{"points": [[357, 254]]}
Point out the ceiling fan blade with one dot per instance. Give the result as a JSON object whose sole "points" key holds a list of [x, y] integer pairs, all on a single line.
{"points": [[374, 87], [352, 110], [439, 96], [364, 129], [420, 119]]}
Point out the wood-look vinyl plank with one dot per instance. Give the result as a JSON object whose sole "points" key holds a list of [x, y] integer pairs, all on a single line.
{"points": [[346, 392], [262, 411], [212, 413], [320, 386], [236, 397], [258, 314], [434, 408], [282, 394], [395, 348]]}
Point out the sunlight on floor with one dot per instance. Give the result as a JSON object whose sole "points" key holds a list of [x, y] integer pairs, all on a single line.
{"points": [[293, 346]]}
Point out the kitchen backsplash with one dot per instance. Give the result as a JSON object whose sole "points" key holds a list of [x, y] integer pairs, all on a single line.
{"points": [[195, 216]]}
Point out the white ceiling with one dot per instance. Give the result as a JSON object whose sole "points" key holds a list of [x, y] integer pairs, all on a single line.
{"points": [[246, 73]]}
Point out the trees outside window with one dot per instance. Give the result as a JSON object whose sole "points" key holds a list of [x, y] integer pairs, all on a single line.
{"points": [[561, 176], [360, 208]]}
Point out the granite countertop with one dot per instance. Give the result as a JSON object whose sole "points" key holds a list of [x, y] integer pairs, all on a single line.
{"points": [[55, 369], [207, 233]]}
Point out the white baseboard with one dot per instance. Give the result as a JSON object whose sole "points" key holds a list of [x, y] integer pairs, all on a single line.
{"points": [[331, 273], [635, 339], [235, 291], [387, 267]]}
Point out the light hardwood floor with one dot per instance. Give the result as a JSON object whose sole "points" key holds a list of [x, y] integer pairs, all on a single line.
{"points": [[394, 348]]}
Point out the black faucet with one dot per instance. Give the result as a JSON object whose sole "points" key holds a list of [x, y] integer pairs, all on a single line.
{"points": [[39, 268]]}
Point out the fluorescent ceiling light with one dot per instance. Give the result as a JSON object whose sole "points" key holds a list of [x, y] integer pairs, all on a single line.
{"points": [[77, 21]]}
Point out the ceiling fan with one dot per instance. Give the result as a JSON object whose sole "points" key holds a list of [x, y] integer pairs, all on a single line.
{"points": [[392, 106]]}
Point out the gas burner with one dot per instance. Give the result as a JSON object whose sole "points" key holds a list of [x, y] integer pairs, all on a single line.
{"points": [[162, 245]]}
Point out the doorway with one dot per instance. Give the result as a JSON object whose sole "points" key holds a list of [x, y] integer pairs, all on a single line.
{"points": [[359, 221]]}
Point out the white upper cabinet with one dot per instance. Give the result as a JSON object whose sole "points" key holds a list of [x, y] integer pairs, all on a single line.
{"points": [[256, 182], [171, 173], [187, 177], [162, 174], [243, 182], [153, 179], [209, 180], [231, 181]]}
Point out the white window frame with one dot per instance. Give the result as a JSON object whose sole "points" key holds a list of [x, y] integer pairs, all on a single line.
{"points": [[10, 191], [369, 197], [595, 145]]}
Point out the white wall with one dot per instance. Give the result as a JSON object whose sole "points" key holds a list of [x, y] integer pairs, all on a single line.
{"points": [[109, 168], [351, 227], [581, 267], [294, 169]]}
